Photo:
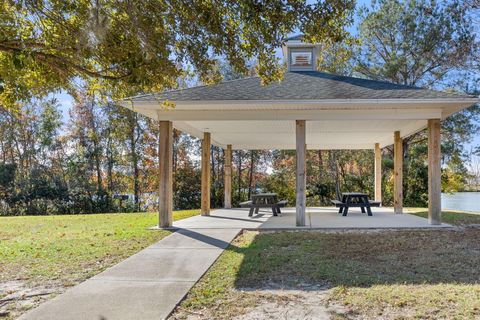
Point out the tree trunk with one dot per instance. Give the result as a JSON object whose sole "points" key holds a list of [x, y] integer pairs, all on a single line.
{"points": [[250, 175], [213, 166], [334, 168], [98, 167], [176, 135], [239, 177], [320, 166], [96, 151], [109, 155], [134, 158], [320, 175]]}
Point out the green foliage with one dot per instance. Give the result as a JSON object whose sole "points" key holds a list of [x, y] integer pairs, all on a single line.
{"points": [[415, 42], [328, 174], [124, 48], [118, 48], [7, 176], [7, 181], [337, 58], [458, 129], [187, 193], [415, 184], [454, 175], [429, 44], [282, 182]]}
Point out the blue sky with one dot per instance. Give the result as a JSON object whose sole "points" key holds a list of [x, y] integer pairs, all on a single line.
{"points": [[66, 101]]}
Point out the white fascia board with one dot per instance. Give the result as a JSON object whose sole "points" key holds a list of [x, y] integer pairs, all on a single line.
{"points": [[312, 115], [305, 110], [300, 104]]}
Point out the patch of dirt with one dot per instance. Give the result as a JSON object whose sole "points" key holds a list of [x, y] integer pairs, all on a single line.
{"points": [[293, 305], [16, 297], [273, 301]]}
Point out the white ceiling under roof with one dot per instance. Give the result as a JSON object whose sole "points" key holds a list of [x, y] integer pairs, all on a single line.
{"points": [[335, 134], [336, 124]]}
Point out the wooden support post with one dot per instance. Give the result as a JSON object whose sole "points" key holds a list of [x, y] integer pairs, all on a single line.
{"points": [[301, 172], [434, 173], [378, 173], [165, 175], [398, 173], [205, 207], [228, 177]]}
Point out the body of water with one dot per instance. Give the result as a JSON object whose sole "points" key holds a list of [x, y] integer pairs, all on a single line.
{"points": [[465, 201]]}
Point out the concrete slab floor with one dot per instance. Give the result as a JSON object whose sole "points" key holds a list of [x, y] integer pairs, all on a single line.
{"points": [[316, 218], [328, 218]]}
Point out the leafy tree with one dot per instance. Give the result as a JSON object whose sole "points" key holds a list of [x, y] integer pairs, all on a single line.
{"points": [[127, 47], [50, 119], [415, 42], [421, 43], [338, 58], [187, 193], [7, 182], [415, 182], [85, 131], [454, 175]]}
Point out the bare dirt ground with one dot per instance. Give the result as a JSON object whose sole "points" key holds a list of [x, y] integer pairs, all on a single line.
{"points": [[310, 302], [17, 296], [293, 305]]}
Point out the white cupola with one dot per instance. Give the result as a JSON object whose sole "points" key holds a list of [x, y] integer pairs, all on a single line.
{"points": [[300, 56]]}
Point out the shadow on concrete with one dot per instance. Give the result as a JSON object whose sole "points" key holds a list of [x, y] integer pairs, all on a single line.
{"points": [[204, 238], [250, 219]]}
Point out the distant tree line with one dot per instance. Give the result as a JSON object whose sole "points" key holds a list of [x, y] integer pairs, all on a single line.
{"points": [[103, 158], [104, 153]]}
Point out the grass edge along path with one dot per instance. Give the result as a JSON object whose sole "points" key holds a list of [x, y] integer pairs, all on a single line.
{"points": [[458, 218]]}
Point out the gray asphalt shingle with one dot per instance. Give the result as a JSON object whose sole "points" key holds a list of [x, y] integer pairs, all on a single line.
{"points": [[311, 85]]}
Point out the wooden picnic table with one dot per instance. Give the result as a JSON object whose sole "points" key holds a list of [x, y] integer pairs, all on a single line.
{"points": [[355, 199], [264, 200]]}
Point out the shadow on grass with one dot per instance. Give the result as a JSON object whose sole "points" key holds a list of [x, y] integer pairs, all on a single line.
{"points": [[295, 259]]}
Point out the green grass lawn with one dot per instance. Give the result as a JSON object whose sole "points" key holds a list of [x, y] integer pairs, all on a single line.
{"points": [[41, 254], [405, 274], [73, 247], [451, 217]]}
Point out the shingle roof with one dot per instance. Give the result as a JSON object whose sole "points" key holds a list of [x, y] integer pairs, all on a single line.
{"points": [[295, 37], [309, 85]]}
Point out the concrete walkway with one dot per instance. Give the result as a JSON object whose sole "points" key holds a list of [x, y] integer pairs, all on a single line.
{"points": [[147, 285]]}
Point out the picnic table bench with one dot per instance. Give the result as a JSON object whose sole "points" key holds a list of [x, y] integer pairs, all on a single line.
{"points": [[264, 200], [355, 199]]}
